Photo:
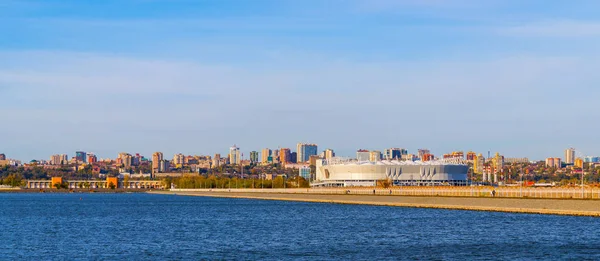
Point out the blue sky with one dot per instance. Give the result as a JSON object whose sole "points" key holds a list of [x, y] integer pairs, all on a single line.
{"points": [[517, 77]]}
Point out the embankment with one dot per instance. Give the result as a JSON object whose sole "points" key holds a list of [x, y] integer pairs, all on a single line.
{"points": [[516, 205]]}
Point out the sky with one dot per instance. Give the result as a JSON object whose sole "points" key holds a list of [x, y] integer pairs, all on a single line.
{"points": [[196, 77]]}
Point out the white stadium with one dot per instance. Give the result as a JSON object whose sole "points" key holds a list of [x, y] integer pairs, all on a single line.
{"points": [[351, 173]]}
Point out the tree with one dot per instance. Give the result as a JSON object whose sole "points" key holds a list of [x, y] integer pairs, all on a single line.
{"points": [[126, 180], [112, 185], [278, 182]]}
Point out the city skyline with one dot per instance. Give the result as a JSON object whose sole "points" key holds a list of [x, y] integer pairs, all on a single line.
{"points": [[509, 76], [361, 154]]}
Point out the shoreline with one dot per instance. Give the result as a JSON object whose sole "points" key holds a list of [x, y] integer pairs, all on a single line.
{"points": [[567, 207], [66, 191]]}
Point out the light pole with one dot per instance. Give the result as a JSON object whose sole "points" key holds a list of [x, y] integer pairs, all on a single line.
{"points": [[521, 189]]}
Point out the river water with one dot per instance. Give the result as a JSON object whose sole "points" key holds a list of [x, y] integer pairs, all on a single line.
{"points": [[168, 227]]}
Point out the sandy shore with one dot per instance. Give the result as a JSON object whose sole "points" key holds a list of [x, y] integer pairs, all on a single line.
{"points": [[533, 206]]}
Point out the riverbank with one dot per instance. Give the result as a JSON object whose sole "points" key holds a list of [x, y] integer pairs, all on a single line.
{"points": [[51, 191], [570, 207]]}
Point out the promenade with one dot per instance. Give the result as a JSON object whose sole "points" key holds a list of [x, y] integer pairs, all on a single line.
{"points": [[575, 207]]}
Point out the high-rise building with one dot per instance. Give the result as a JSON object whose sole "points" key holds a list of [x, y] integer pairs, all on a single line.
{"points": [[126, 159], [570, 156], [363, 155], [55, 159], [394, 153], [2, 156], [266, 153], [137, 159], [275, 156], [164, 166], [305, 150], [498, 162], [591, 159], [234, 155], [179, 160], [254, 157], [294, 157], [91, 158], [64, 159], [478, 162], [80, 156], [157, 158], [285, 156], [216, 161], [329, 154], [375, 156]]}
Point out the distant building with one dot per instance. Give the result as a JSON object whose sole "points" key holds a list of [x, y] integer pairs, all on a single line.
{"points": [[313, 160], [126, 159], [471, 156], [516, 160], [216, 161], [478, 164], [427, 157], [422, 152], [294, 157], [553, 163], [64, 159], [265, 156], [254, 157], [164, 166], [179, 160], [329, 154], [91, 158], [570, 156], [590, 159], [375, 156], [498, 163], [2, 156], [157, 159], [454, 155], [394, 153], [578, 163], [275, 156], [285, 156], [409, 157], [363, 155], [55, 159], [305, 150], [80, 156], [305, 172], [234, 155]]}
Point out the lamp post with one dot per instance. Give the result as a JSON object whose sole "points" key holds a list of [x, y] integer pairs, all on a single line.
{"points": [[521, 189]]}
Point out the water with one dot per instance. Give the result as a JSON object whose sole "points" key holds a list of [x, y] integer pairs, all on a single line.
{"points": [[166, 227]]}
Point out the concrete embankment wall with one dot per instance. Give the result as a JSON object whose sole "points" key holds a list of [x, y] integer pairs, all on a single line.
{"points": [[575, 207], [499, 192]]}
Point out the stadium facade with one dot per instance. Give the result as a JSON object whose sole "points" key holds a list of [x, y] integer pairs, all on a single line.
{"points": [[351, 173]]}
